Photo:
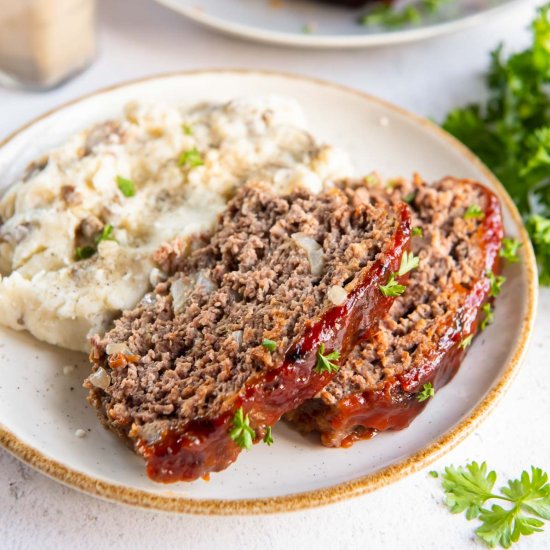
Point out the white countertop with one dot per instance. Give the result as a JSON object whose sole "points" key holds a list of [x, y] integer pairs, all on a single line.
{"points": [[140, 38]]}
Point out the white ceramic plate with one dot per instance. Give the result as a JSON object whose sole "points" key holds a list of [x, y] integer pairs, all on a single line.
{"points": [[41, 408], [307, 23]]}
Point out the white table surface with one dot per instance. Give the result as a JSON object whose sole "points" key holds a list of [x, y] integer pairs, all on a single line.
{"points": [[138, 38]]}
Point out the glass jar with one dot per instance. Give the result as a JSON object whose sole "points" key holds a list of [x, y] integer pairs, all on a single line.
{"points": [[45, 42]]}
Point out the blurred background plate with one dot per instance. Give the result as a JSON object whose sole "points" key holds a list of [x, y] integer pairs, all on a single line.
{"points": [[309, 23]]}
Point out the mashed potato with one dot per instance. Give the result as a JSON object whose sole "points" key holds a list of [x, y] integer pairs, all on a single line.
{"points": [[77, 233]]}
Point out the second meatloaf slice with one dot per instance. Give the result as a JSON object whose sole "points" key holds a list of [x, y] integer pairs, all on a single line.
{"points": [[429, 328], [246, 327]]}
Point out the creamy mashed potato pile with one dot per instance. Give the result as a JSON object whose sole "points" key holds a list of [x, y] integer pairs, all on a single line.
{"points": [[78, 231]]}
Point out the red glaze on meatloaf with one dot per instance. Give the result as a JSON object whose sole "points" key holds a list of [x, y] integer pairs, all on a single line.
{"points": [[174, 372], [426, 333]]}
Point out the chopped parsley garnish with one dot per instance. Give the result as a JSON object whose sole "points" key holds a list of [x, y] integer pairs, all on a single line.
{"points": [[488, 318], [409, 197], [526, 502], [510, 131], [268, 438], [496, 282], [474, 212], [510, 249], [372, 179], [392, 288], [433, 473], [269, 345], [126, 186], [417, 231], [325, 362], [466, 342], [408, 262], [187, 129], [191, 158], [106, 234], [242, 433], [427, 392], [386, 15], [84, 252]]}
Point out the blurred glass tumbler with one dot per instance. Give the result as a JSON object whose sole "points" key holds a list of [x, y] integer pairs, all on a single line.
{"points": [[45, 42]]}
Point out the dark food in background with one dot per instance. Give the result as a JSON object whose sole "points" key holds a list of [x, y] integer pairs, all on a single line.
{"points": [[193, 353], [425, 335]]}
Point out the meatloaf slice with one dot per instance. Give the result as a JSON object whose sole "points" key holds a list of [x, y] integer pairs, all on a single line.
{"points": [[246, 327], [428, 329]]}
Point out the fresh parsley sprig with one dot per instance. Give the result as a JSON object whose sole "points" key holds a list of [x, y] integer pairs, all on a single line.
{"points": [[126, 186], [510, 132], [468, 489], [408, 262], [386, 15], [510, 250], [488, 317], [325, 363], [191, 158], [466, 342], [242, 433], [392, 288], [268, 438], [269, 345], [474, 211], [427, 392], [495, 282]]}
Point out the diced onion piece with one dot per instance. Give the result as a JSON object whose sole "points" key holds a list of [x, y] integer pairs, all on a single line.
{"points": [[116, 347], [180, 292], [314, 251], [204, 281], [237, 335], [100, 378], [337, 295], [149, 299]]}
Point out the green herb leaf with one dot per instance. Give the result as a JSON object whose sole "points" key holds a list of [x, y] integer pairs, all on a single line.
{"points": [[392, 288], [433, 473], [417, 231], [268, 438], [325, 362], [386, 15], [488, 318], [510, 250], [106, 234], [242, 433], [427, 392], [408, 262], [468, 489], [191, 158], [126, 186], [187, 129], [269, 345], [496, 282], [409, 198], [84, 252], [474, 211], [466, 342]]}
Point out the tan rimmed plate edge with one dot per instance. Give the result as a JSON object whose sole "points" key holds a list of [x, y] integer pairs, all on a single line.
{"points": [[318, 497]]}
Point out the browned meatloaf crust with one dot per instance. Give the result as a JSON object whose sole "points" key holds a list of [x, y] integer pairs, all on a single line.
{"points": [[193, 354], [420, 340]]}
